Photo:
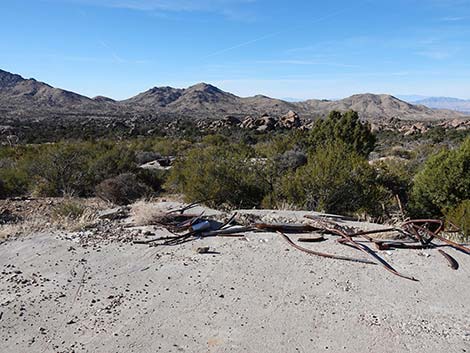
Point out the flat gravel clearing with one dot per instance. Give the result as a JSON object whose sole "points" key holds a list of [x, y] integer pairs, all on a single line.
{"points": [[254, 295]]}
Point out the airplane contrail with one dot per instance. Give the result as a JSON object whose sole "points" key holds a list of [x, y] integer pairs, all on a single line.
{"points": [[320, 19]]}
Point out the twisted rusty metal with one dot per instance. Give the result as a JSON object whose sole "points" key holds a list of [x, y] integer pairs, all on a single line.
{"points": [[288, 228], [419, 225], [452, 262], [317, 253], [422, 230], [347, 235]]}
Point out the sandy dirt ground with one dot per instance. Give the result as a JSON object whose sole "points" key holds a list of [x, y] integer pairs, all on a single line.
{"points": [[251, 294]]}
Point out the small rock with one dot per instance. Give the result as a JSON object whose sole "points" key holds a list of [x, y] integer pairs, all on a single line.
{"points": [[203, 250], [114, 213]]}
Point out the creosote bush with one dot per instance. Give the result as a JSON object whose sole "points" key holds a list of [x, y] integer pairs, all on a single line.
{"points": [[60, 170], [65, 168], [336, 180], [143, 157], [220, 175], [290, 160], [13, 178], [122, 189], [443, 183], [394, 175], [460, 216]]}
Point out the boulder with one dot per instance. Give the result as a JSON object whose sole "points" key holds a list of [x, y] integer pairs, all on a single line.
{"points": [[248, 123], [265, 123], [290, 120]]}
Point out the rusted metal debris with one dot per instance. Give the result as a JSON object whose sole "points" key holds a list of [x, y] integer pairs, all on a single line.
{"points": [[311, 252], [452, 262], [420, 234], [347, 234], [311, 240], [419, 227], [287, 228], [232, 231], [185, 208]]}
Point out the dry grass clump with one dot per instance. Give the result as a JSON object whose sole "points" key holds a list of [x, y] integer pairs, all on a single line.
{"points": [[145, 213], [73, 215], [40, 215], [287, 206], [7, 230], [30, 226]]}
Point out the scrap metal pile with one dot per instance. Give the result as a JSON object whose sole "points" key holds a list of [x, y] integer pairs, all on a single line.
{"points": [[414, 234]]}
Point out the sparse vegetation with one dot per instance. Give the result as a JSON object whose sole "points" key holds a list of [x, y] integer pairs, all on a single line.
{"points": [[69, 209], [460, 217], [220, 175], [444, 182], [346, 128], [122, 189], [335, 179], [324, 168]]}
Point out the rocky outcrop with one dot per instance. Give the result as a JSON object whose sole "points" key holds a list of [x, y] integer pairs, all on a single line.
{"points": [[290, 121], [227, 122], [268, 123], [418, 128], [458, 124]]}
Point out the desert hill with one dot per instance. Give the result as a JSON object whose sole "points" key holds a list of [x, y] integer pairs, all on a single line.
{"points": [[28, 98]]}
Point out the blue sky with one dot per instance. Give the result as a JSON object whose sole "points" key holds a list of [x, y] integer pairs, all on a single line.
{"points": [[300, 49]]}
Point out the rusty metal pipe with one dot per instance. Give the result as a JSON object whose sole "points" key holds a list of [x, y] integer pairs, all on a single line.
{"points": [[330, 256]]}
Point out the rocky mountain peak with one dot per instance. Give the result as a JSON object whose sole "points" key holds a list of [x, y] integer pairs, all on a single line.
{"points": [[103, 99], [204, 87], [8, 79]]}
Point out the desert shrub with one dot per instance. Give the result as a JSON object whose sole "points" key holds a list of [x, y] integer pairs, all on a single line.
{"points": [[290, 160], [460, 216], [335, 179], [107, 161], [122, 189], [346, 128], [438, 134], [3, 191], [215, 140], [219, 174], [443, 183], [68, 209], [394, 175], [170, 147], [272, 172], [59, 170], [400, 152], [153, 178], [143, 157], [74, 168], [13, 181], [276, 145]]}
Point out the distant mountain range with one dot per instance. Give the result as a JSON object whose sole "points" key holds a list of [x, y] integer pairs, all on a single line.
{"points": [[28, 98], [461, 105]]}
